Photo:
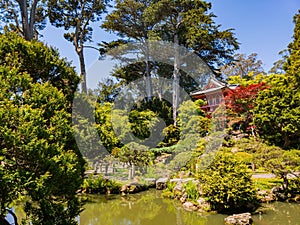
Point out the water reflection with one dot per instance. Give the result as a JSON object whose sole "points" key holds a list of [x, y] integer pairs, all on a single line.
{"points": [[141, 209], [149, 208], [279, 214]]}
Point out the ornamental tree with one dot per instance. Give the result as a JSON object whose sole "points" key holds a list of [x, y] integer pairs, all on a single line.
{"points": [[243, 99]]}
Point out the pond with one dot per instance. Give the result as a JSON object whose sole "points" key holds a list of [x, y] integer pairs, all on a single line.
{"points": [[149, 208]]}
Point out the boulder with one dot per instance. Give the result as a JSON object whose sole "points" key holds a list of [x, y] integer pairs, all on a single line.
{"points": [[203, 205], [265, 196], [178, 187], [239, 219], [151, 182], [276, 190], [183, 197], [279, 193], [161, 183], [189, 206], [132, 188]]}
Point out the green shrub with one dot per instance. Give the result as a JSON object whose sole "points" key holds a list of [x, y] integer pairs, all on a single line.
{"points": [[266, 183], [294, 187], [169, 191], [100, 185], [227, 185], [191, 191]]}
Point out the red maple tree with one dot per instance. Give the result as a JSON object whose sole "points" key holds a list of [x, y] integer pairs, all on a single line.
{"points": [[241, 100]]}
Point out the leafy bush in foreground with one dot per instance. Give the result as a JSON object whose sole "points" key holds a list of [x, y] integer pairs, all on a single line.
{"points": [[227, 185]]}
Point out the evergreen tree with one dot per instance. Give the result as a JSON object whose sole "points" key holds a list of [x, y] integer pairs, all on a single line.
{"points": [[189, 24], [278, 108], [128, 22], [40, 161]]}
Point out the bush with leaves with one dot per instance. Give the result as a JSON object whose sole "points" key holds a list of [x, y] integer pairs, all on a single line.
{"points": [[100, 185], [227, 185], [136, 154], [43, 64]]}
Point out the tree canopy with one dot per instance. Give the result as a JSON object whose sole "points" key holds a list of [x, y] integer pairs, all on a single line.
{"points": [[243, 66], [39, 157], [43, 64], [278, 108]]}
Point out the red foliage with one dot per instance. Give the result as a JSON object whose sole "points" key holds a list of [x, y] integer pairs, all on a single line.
{"points": [[241, 99]]}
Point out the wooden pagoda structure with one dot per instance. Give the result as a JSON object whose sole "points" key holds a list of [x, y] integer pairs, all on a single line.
{"points": [[213, 93]]}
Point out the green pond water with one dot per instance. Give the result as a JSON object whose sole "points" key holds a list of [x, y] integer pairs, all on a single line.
{"points": [[149, 208]]}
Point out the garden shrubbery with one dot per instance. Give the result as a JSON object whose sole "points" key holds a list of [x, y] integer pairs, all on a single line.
{"points": [[227, 185], [100, 185]]}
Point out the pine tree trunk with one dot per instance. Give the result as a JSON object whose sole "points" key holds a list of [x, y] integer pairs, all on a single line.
{"points": [[28, 21], [148, 75], [82, 71], [176, 76]]}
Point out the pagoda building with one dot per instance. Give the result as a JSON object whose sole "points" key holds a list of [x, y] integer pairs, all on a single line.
{"points": [[213, 93]]}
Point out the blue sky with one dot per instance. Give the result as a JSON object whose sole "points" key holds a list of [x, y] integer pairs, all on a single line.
{"points": [[261, 26]]}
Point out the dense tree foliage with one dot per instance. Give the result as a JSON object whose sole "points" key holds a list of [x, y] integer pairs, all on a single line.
{"points": [[278, 108], [119, 127], [43, 64], [277, 111], [192, 121], [136, 154], [189, 24], [38, 153], [185, 23], [195, 28], [129, 22], [107, 90], [242, 100]]}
